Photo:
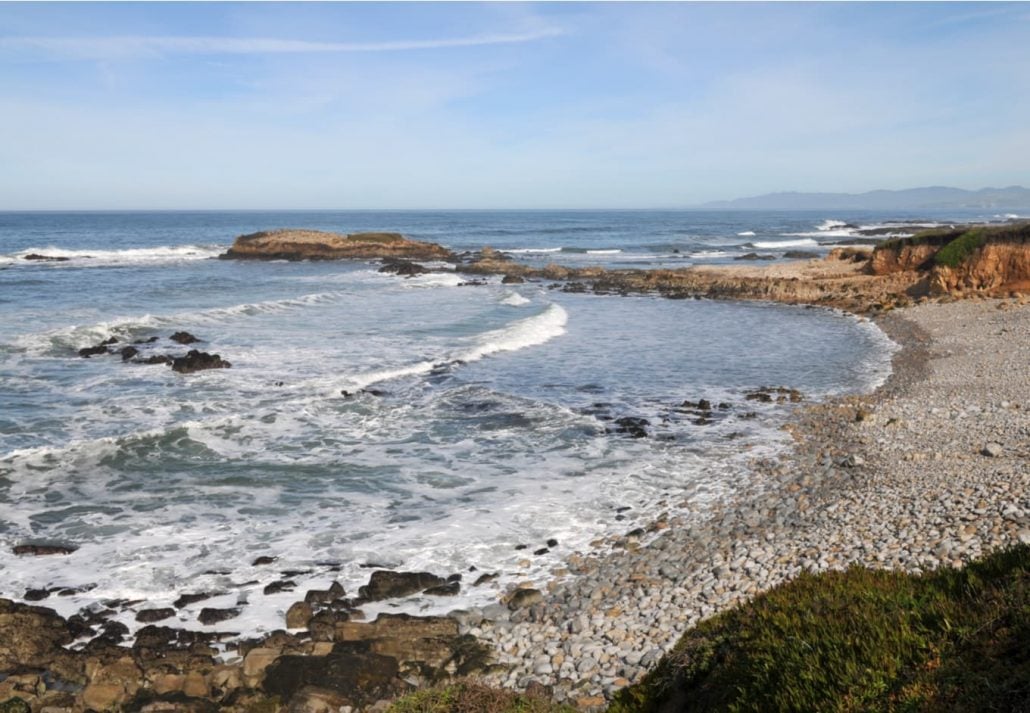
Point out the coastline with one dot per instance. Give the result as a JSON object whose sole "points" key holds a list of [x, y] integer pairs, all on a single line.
{"points": [[860, 486], [895, 479]]}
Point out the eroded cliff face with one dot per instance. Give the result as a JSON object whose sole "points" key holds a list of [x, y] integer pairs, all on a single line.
{"points": [[995, 267], [888, 260], [320, 245]]}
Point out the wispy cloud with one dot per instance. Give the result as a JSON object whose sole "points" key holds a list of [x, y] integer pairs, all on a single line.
{"points": [[137, 46]]}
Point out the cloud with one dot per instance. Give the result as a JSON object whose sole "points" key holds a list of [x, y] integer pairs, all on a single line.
{"points": [[137, 46]]}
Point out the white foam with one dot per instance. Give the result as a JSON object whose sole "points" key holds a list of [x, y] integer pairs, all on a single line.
{"points": [[604, 252], [777, 244], [831, 225], [130, 256], [529, 251], [529, 332], [710, 254], [434, 279], [515, 300], [746, 233]]}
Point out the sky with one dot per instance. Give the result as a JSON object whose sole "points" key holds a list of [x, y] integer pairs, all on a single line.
{"points": [[503, 105]]}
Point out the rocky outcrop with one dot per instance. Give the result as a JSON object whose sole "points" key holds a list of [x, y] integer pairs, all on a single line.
{"points": [[198, 361], [321, 245], [901, 258], [991, 268]]}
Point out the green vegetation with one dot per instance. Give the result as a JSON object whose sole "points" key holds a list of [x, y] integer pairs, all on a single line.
{"points": [[15, 705], [473, 698], [860, 640], [384, 238], [955, 252]]}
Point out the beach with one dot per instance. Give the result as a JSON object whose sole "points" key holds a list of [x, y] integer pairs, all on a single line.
{"points": [[931, 469]]}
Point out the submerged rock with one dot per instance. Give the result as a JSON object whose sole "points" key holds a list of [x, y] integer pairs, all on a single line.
{"points": [[41, 549], [384, 584], [48, 258], [183, 338], [402, 268]]}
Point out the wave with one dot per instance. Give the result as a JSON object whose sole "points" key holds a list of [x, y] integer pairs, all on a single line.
{"points": [[126, 328], [746, 233], [530, 251], [529, 332], [106, 258], [776, 244], [710, 254], [435, 279], [515, 300], [612, 251]]}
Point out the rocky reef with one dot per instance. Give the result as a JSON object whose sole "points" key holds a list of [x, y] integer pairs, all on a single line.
{"points": [[289, 244]]}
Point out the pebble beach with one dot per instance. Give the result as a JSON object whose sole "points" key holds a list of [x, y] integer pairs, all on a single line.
{"points": [[930, 469]]}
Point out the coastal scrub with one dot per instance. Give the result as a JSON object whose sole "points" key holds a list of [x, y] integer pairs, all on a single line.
{"points": [[859, 640]]}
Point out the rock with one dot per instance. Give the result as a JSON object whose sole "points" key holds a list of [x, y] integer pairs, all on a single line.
{"points": [[16, 704], [632, 426], [35, 595], [484, 578], [522, 598], [512, 280], [112, 685], [754, 256], [87, 352], [293, 244], [155, 359], [30, 636], [402, 268], [148, 616], [263, 559], [128, 353], [298, 615], [314, 699], [148, 340], [800, 255], [283, 585], [186, 599], [444, 590], [183, 338], [210, 615], [385, 584], [257, 660], [993, 450], [198, 361], [48, 258], [42, 549], [361, 678]]}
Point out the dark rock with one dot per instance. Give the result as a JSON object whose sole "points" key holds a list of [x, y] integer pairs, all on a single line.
{"points": [[155, 359], [484, 578], [512, 280], [359, 676], [704, 405], [263, 559], [754, 256], [41, 549], [149, 340], [384, 584], [521, 547], [87, 352], [541, 551], [298, 615], [148, 616], [402, 268], [552, 542], [48, 258], [198, 361], [286, 585], [35, 595], [210, 615], [30, 636], [186, 599], [444, 590], [183, 338], [128, 353], [522, 598], [800, 254], [632, 426]]}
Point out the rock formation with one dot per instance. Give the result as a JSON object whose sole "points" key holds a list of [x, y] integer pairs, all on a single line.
{"points": [[320, 245]]}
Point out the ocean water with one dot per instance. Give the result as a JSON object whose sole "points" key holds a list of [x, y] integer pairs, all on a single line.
{"points": [[371, 420]]}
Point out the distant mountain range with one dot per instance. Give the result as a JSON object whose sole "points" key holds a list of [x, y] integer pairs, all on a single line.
{"points": [[933, 197]]}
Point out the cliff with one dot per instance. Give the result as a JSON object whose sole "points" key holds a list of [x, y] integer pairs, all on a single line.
{"points": [[982, 259], [291, 244]]}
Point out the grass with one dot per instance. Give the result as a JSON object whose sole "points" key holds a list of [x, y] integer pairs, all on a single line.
{"points": [[468, 697], [957, 244], [860, 640], [954, 253]]}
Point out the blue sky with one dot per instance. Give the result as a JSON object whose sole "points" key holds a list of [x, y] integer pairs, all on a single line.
{"points": [[503, 105]]}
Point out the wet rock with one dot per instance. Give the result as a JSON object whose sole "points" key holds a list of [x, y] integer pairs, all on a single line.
{"points": [[512, 280], [754, 256], [541, 551], [155, 359], [263, 559], [632, 426], [284, 585], [552, 542], [35, 595], [183, 338], [31, 636], [198, 361], [385, 584], [148, 616], [128, 353], [402, 268], [800, 255], [87, 352], [485, 578], [298, 615], [211, 615], [444, 590], [186, 599], [522, 598], [42, 549], [149, 340], [45, 258]]}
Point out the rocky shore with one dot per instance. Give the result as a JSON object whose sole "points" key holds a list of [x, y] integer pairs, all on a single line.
{"points": [[293, 244], [932, 468]]}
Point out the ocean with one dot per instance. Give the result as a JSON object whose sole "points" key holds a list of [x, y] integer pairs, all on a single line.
{"points": [[370, 420]]}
